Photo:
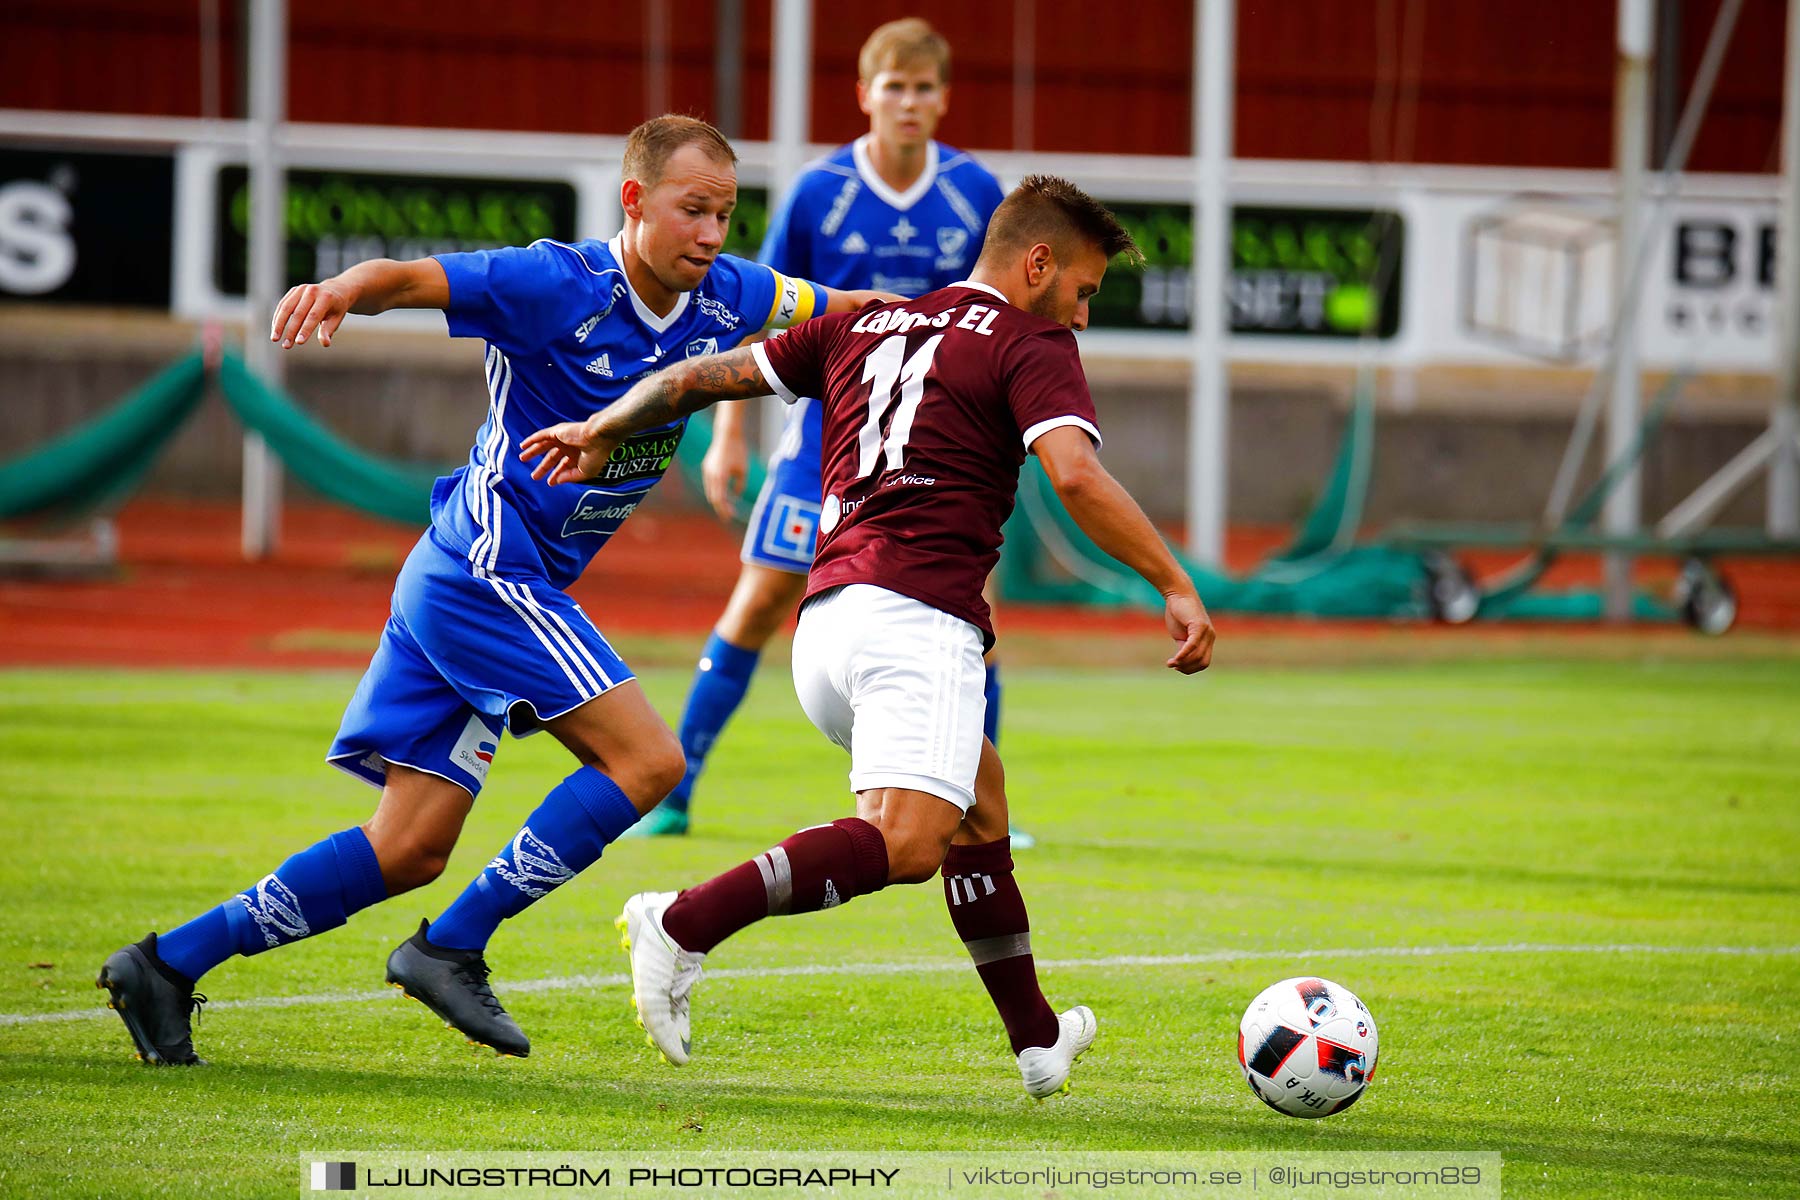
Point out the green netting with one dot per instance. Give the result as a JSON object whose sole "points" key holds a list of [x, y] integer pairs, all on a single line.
{"points": [[693, 449], [1336, 514], [98, 464], [1047, 558], [398, 491]]}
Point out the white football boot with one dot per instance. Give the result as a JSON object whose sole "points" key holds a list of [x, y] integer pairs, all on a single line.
{"points": [[662, 975], [1046, 1068]]}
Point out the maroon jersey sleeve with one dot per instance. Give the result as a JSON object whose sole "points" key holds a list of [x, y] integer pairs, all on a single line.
{"points": [[793, 362], [1046, 386]]}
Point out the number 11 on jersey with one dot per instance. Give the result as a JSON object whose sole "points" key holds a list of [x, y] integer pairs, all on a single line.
{"points": [[883, 369]]}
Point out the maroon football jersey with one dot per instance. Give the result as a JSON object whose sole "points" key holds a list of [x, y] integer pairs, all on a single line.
{"points": [[929, 408]]}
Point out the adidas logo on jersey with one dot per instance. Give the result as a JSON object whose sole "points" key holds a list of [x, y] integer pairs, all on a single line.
{"points": [[601, 366], [854, 244]]}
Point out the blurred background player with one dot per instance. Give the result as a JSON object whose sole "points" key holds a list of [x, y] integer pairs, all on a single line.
{"points": [[483, 634], [893, 210], [931, 407]]}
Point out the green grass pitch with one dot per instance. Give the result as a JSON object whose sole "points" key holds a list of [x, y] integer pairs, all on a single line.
{"points": [[1569, 891]]}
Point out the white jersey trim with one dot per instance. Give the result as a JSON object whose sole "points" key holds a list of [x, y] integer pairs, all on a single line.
{"points": [[899, 201], [995, 292], [644, 312], [1042, 427], [769, 376]]}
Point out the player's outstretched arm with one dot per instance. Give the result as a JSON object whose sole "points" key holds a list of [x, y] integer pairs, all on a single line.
{"points": [[576, 450], [1107, 513], [368, 288], [837, 301]]}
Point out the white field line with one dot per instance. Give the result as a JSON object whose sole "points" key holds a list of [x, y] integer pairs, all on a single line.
{"points": [[621, 979]]}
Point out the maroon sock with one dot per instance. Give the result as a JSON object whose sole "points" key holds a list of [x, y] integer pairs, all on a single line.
{"points": [[989, 915], [821, 867]]}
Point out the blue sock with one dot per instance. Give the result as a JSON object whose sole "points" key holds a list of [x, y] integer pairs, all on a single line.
{"points": [[720, 682], [990, 723], [315, 890], [580, 817]]}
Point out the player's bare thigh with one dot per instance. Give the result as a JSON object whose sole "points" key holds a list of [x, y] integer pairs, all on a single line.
{"points": [[415, 826], [990, 592], [987, 820], [619, 733], [760, 603], [917, 827]]}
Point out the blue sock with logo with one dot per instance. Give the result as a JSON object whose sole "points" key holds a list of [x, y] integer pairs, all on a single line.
{"points": [[990, 722], [314, 891], [720, 682], [564, 835]]}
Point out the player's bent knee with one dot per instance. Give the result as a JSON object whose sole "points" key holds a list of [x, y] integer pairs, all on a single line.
{"points": [[652, 773], [409, 863], [915, 858]]}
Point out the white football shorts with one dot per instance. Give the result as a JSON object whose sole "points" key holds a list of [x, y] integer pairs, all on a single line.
{"points": [[898, 684]]}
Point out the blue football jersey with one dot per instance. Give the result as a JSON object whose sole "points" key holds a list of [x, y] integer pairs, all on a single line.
{"points": [[567, 335], [844, 227]]}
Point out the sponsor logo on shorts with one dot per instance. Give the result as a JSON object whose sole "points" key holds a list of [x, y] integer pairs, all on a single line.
{"points": [[791, 531], [474, 749], [831, 896], [276, 911]]}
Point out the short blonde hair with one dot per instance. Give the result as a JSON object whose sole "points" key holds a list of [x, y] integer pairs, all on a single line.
{"points": [[649, 147], [901, 43]]}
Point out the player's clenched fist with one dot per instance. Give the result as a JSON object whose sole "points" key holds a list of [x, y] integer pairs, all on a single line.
{"points": [[310, 306]]}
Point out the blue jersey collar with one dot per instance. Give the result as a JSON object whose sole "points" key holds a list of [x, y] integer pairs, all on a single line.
{"points": [[899, 201], [645, 314]]}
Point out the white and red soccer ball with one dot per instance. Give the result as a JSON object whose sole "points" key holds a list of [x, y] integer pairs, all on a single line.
{"points": [[1308, 1047]]}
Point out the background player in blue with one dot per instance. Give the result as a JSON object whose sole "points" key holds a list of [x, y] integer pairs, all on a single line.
{"points": [[893, 210], [483, 635]]}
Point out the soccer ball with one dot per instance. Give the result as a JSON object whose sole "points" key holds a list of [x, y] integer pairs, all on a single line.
{"points": [[1307, 1047]]}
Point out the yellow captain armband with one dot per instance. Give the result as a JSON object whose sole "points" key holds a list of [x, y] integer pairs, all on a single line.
{"points": [[795, 301]]}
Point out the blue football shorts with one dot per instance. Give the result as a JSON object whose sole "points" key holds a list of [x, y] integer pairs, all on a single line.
{"points": [[784, 525], [463, 655]]}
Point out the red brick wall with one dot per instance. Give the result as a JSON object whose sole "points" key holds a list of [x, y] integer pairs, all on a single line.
{"points": [[1525, 83]]}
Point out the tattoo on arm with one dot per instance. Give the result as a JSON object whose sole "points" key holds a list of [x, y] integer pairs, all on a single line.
{"points": [[683, 389]]}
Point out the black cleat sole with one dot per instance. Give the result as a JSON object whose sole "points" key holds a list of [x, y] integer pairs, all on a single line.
{"points": [[449, 1024]]}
